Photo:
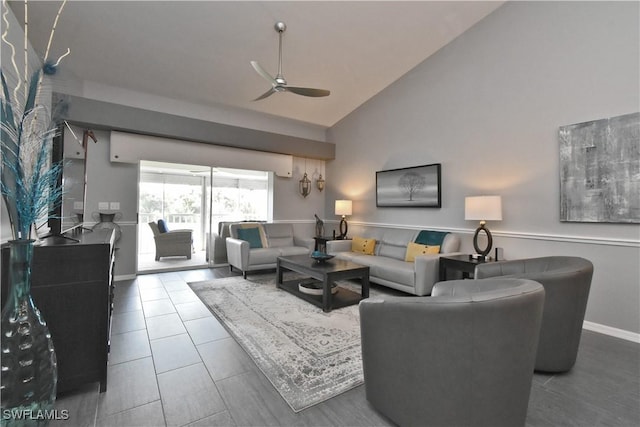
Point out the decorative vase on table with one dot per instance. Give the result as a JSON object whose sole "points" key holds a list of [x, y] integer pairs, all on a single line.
{"points": [[106, 221], [29, 367]]}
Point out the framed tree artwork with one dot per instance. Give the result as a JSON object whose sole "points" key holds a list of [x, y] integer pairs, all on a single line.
{"points": [[417, 186]]}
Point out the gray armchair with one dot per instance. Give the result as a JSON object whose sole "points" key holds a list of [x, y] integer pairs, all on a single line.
{"points": [[464, 356], [172, 243], [567, 281]]}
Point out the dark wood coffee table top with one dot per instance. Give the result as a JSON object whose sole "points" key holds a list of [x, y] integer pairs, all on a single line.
{"points": [[330, 266]]}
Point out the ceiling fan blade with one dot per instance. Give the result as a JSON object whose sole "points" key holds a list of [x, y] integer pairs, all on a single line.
{"points": [[307, 91], [263, 73], [266, 94]]}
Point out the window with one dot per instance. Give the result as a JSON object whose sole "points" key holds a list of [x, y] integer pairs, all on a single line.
{"points": [[239, 195]]}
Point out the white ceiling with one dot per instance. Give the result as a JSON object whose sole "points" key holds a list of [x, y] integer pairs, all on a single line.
{"points": [[199, 51]]}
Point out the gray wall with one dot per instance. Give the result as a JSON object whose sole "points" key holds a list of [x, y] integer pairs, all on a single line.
{"points": [[488, 107], [113, 182]]}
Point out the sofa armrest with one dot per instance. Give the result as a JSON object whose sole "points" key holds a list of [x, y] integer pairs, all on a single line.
{"points": [[238, 253], [334, 246], [427, 269], [307, 242]]}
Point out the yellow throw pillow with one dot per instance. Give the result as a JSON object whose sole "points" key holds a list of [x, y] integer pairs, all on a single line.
{"points": [[363, 246], [415, 249]]}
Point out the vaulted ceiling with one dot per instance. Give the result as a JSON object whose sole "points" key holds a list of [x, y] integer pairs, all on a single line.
{"points": [[199, 51]]}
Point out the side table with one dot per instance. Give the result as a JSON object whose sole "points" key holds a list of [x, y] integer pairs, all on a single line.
{"points": [[464, 263]]}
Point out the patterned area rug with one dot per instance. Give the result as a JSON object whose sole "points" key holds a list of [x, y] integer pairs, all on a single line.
{"points": [[308, 355]]}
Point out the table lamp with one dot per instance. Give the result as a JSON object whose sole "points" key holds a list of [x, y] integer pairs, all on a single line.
{"points": [[483, 208], [343, 207]]}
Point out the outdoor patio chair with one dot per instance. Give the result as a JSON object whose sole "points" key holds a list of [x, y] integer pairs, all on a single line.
{"points": [[172, 243]]}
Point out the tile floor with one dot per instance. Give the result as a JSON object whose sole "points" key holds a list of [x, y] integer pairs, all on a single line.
{"points": [[162, 361], [172, 363]]}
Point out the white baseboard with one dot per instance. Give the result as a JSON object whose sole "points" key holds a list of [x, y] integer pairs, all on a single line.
{"points": [[614, 332], [124, 277]]}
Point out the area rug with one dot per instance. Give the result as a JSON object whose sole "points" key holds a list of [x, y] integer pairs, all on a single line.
{"points": [[308, 355]]}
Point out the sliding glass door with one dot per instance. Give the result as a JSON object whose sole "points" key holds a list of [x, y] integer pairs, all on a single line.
{"points": [[196, 198]]}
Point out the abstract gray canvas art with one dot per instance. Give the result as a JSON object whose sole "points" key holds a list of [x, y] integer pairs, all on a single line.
{"points": [[415, 186], [600, 170]]}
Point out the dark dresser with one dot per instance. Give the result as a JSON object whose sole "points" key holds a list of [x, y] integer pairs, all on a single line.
{"points": [[72, 285]]}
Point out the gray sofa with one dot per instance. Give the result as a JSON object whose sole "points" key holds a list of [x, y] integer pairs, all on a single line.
{"points": [[388, 266], [277, 239], [463, 357], [566, 281]]}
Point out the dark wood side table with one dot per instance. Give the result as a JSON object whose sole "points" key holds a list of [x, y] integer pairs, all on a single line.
{"points": [[464, 263]]}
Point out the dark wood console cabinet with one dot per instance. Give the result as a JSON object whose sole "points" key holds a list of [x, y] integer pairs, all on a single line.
{"points": [[72, 285]]}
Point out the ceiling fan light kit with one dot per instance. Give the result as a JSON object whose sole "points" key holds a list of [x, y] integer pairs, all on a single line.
{"points": [[278, 83]]}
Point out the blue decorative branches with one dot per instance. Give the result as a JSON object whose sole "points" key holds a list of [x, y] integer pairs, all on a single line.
{"points": [[29, 181]]}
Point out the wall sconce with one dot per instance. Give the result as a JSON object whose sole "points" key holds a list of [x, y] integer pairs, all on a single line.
{"points": [[320, 183], [483, 208], [305, 185], [344, 208]]}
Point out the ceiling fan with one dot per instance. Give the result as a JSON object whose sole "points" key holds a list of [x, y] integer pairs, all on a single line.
{"points": [[279, 84]]}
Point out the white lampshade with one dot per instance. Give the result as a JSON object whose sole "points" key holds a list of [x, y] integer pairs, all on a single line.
{"points": [[343, 207], [483, 208]]}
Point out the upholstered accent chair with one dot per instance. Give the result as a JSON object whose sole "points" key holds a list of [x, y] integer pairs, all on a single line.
{"points": [[172, 243], [463, 356], [567, 281]]}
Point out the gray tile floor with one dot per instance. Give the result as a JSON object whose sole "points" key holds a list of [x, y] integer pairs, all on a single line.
{"points": [[172, 363]]}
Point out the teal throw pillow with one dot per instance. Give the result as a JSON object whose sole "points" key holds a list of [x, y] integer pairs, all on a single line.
{"points": [[251, 235], [431, 238]]}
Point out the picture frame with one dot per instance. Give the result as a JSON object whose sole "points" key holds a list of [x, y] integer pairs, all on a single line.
{"points": [[599, 164], [417, 186]]}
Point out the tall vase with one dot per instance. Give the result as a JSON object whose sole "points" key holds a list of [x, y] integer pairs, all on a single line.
{"points": [[29, 369]]}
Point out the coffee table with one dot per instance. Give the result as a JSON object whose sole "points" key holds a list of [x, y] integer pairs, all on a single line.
{"points": [[326, 272]]}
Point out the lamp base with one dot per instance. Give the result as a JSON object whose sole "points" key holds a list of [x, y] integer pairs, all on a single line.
{"points": [[343, 229], [485, 251]]}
